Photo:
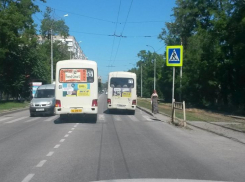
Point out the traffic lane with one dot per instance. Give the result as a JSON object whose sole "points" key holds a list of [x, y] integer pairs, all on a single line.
{"points": [[13, 123], [22, 150], [18, 114], [123, 162], [126, 148]]}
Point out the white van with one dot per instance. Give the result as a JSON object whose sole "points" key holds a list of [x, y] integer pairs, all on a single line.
{"points": [[76, 88], [122, 91]]}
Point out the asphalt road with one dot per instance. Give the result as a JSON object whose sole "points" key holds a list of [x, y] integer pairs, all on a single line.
{"points": [[118, 146]]}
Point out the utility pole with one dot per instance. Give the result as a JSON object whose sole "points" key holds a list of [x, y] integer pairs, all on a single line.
{"points": [[154, 67], [141, 88], [154, 72], [180, 79], [51, 37]]}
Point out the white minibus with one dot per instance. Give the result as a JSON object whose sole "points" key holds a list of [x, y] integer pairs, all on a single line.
{"points": [[122, 91], [76, 88]]}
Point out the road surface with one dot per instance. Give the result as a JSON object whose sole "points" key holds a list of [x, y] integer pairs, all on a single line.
{"points": [[118, 146]]}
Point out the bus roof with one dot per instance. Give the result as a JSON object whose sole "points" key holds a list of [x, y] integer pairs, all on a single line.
{"points": [[121, 74], [76, 61]]}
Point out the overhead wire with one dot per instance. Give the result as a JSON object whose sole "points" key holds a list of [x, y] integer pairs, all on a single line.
{"points": [[118, 12], [122, 31], [95, 18], [104, 20]]}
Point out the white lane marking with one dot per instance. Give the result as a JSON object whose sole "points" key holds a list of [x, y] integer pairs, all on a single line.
{"points": [[73, 129], [56, 146], [118, 118], [50, 154], [3, 119], [66, 135], [18, 119], [75, 126], [41, 163], [28, 178], [69, 131], [33, 119], [77, 123], [52, 118], [133, 118], [147, 118], [101, 117], [62, 140]]}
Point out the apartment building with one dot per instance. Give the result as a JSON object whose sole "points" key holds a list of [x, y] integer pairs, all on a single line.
{"points": [[73, 46]]}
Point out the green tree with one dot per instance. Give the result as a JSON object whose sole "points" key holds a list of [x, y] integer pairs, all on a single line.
{"points": [[58, 26], [17, 45]]}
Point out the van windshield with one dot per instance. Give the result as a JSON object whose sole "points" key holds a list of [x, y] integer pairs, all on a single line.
{"points": [[47, 93]]}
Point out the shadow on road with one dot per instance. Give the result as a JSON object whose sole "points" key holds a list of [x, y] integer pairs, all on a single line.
{"points": [[117, 112], [76, 119]]}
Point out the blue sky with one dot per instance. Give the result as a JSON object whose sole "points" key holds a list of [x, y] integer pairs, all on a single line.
{"points": [[95, 21]]}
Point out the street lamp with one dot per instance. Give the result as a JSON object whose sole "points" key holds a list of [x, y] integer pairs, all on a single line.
{"points": [[154, 68]]}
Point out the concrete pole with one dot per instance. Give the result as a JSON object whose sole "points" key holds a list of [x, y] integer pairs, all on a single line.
{"points": [[154, 74], [52, 69], [141, 81], [180, 94], [173, 87]]}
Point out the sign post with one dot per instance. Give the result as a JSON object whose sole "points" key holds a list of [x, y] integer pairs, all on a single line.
{"points": [[174, 58]]}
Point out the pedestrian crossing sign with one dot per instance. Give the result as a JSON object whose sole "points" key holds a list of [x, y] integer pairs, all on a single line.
{"points": [[174, 56]]}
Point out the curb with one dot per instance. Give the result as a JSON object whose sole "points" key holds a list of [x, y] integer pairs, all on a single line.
{"points": [[189, 123], [13, 111], [145, 110], [231, 138]]}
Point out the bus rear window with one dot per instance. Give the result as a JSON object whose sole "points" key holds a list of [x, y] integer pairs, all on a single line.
{"points": [[78, 75], [116, 82]]}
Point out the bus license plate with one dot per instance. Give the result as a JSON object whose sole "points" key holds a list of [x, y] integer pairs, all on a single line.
{"points": [[76, 110]]}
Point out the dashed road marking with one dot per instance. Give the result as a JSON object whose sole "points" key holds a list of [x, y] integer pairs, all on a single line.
{"points": [[52, 118], [133, 118], [33, 119], [28, 178], [56, 146], [50, 154], [41, 163], [66, 135], [101, 117], [73, 129], [147, 118], [117, 118], [18, 119], [69, 131], [62, 140]]}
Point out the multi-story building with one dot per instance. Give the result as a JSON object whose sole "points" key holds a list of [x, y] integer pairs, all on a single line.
{"points": [[73, 46]]}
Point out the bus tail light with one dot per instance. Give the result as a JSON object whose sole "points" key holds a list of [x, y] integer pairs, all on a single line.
{"points": [[57, 103], [108, 101], [94, 103], [134, 102]]}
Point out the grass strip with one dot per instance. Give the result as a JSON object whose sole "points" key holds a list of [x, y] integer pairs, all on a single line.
{"points": [[10, 105]]}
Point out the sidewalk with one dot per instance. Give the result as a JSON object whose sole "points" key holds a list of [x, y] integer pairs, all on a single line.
{"points": [[217, 128]]}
